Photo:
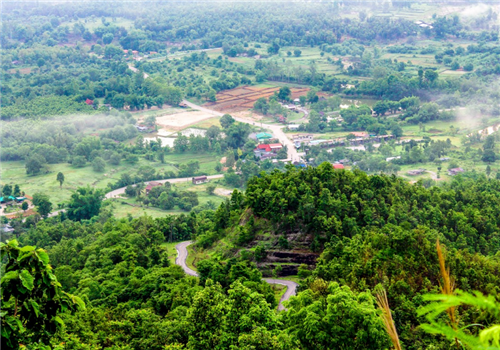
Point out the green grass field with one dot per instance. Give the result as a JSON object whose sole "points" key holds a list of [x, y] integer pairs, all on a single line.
{"points": [[171, 251], [123, 207], [14, 172]]}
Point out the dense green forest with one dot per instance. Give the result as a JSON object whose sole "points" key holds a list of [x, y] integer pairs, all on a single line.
{"points": [[373, 231]]}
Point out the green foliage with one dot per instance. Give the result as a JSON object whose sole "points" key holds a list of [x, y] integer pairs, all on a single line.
{"points": [[32, 298], [84, 204], [60, 178], [42, 203], [98, 164], [489, 335], [328, 316], [46, 106]]}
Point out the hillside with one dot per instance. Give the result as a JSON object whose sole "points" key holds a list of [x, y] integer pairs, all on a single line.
{"points": [[367, 233]]}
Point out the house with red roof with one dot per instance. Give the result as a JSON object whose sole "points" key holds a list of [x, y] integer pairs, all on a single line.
{"points": [[263, 151], [89, 102], [152, 184], [338, 166], [275, 147]]}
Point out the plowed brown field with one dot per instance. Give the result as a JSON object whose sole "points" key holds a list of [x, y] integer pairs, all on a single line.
{"points": [[243, 98]]}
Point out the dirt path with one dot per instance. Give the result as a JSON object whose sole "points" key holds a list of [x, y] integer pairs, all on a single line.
{"points": [[135, 70], [276, 129], [182, 254]]}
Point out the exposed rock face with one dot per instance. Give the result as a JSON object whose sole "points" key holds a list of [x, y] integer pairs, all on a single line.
{"points": [[289, 262], [291, 257], [286, 270]]}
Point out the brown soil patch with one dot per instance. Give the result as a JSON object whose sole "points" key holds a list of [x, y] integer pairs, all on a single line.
{"points": [[243, 98]]}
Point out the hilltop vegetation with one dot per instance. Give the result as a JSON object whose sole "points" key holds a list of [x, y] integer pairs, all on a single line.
{"points": [[372, 232]]}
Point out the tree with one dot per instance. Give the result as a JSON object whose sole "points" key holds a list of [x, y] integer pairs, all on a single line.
{"points": [[112, 51], [226, 121], [34, 165], [79, 161], [489, 156], [150, 120], [42, 203], [274, 48], [397, 130], [282, 153], [303, 100], [468, 67], [211, 189], [336, 317], [25, 206], [284, 93], [32, 298], [297, 52], [488, 170], [261, 105], [85, 203], [115, 159], [7, 190], [431, 75], [107, 38], [181, 143], [98, 164], [17, 191], [60, 179], [381, 107], [312, 97], [489, 143]]}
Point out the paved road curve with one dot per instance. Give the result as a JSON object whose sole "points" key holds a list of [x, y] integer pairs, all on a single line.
{"points": [[121, 190], [182, 253]]}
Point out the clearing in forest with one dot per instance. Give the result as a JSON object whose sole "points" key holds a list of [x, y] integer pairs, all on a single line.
{"points": [[179, 121]]}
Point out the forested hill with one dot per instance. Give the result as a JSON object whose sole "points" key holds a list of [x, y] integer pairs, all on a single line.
{"points": [[372, 232], [329, 204]]}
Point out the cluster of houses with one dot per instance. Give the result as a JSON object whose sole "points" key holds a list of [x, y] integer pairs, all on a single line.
{"points": [[12, 199], [145, 128], [455, 171], [267, 150], [195, 180], [135, 54], [359, 138], [416, 172], [451, 172], [423, 24]]}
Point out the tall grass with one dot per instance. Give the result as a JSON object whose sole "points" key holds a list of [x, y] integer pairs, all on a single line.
{"points": [[447, 288], [390, 327]]}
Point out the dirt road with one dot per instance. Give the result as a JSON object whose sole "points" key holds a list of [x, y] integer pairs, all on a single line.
{"points": [[277, 130], [135, 70], [182, 254]]}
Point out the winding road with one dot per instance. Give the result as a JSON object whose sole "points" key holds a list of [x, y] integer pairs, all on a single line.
{"points": [[121, 190], [182, 253]]}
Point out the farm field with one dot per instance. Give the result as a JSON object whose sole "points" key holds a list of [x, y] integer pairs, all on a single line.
{"points": [[244, 97]]}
